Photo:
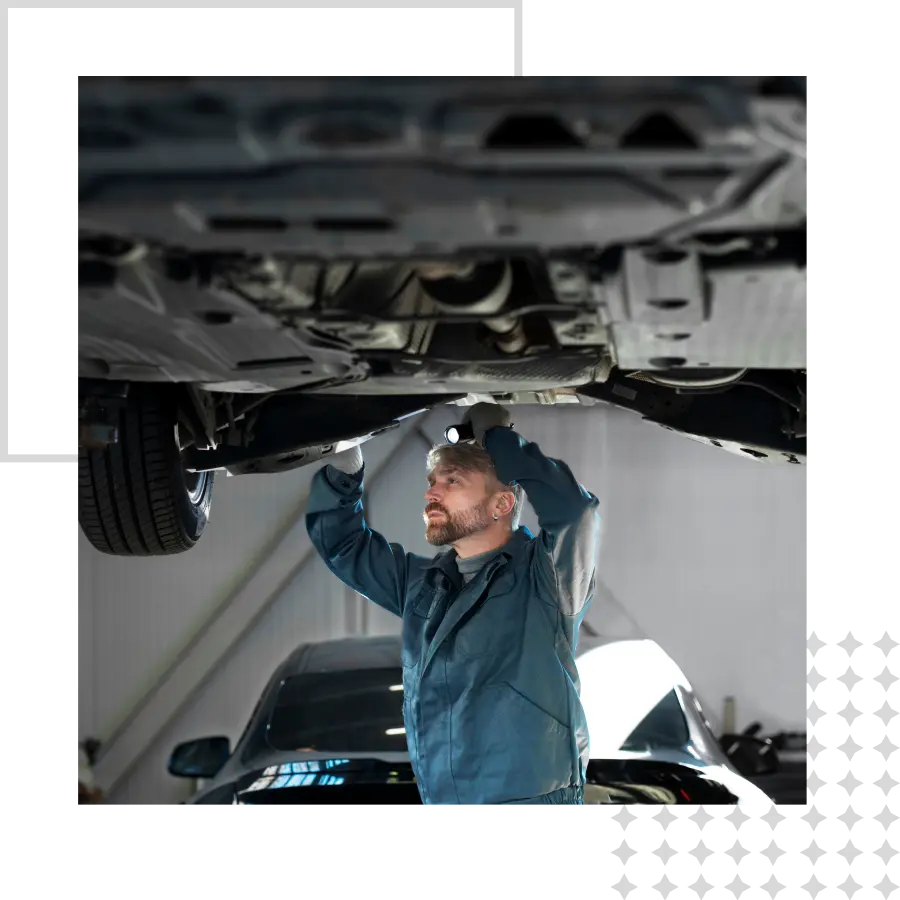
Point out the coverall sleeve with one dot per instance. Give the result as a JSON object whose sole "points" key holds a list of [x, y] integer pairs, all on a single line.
{"points": [[566, 549], [363, 559]]}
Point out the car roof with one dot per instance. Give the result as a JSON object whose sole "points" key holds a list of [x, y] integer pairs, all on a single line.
{"points": [[354, 653], [343, 654]]}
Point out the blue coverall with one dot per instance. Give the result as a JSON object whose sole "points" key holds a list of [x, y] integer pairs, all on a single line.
{"points": [[491, 701]]}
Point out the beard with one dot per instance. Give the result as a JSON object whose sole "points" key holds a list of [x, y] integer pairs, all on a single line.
{"points": [[457, 526]]}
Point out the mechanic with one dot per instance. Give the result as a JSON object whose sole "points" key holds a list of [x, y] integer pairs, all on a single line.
{"points": [[491, 702]]}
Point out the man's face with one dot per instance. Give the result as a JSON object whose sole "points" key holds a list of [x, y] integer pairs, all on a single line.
{"points": [[457, 504]]}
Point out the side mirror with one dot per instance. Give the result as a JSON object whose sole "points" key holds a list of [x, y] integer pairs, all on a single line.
{"points": [[750, 755], [200, 759]]}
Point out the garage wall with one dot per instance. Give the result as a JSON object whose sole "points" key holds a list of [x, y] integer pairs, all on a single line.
{"points": [[702, 551], [707, 552], [136, 614], [311, 610]]}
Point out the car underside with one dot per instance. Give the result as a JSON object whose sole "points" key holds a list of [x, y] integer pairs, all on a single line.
{"points": [[269, 267]]}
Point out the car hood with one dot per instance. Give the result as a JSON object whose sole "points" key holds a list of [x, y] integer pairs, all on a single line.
{"points": [[370, 780], [614, 705]]}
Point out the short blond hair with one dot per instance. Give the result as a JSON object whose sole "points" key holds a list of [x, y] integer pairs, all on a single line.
{"points": [[469, 457]]}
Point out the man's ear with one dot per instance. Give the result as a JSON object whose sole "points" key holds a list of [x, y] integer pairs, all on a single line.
{"points": [[507, 502]]}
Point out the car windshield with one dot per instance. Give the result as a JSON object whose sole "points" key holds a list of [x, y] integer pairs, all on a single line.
{"points": [[360, 710], [663, 728]]}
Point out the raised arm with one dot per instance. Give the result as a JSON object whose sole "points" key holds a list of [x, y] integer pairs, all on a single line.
{"points": [[361, 558], [566, 552]]}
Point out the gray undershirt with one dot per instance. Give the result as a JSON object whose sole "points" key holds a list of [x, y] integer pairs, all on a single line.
{"points": [[472, 565]]}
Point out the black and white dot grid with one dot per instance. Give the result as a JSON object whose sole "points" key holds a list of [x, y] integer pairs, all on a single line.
{"points": [[844, 843]]}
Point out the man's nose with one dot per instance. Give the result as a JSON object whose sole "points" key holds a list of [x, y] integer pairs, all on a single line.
{"points": [[432, 495]]}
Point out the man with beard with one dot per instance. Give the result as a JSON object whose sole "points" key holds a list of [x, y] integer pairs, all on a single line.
{"points": [[491, 702]]}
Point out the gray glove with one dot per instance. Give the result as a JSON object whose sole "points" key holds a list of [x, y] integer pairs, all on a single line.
{"points": [[484, 416], [348, 461]]}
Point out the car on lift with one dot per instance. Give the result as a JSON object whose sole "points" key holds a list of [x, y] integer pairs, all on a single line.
{"points": [[270, 268], [328, 728]]}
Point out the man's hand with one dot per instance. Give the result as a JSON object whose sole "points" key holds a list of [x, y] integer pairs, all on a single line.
{"points": [[484, 416]]}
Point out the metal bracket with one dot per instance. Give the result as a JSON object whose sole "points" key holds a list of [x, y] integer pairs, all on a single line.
{"points": [[296, 430], [743, 420], [200, 412]]}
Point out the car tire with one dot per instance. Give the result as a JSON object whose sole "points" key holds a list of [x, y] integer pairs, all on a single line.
{"points": [[134, 496]]}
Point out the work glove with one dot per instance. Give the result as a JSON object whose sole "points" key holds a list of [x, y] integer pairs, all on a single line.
{"points": [[484, 416], [349, 461]]}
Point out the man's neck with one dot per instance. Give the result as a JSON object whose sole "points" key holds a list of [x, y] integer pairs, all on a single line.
{"points": [[492, 538]]}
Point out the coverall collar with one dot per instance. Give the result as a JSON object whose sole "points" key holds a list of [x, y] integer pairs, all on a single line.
{"points": [[446, 559]]}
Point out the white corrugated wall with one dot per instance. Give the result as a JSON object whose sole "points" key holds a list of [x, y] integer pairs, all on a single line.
{"points": [[705, 551]]}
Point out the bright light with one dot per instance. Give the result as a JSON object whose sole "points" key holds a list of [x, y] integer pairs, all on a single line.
{"points": [[452, 435], [396, 687], [393, 731]]}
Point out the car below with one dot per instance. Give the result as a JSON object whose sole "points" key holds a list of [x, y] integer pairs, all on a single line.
{"points": [[328, 728], [272, 267]]}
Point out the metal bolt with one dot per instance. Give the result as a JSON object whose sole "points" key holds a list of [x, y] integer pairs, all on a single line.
{"points": [[562, 272]]}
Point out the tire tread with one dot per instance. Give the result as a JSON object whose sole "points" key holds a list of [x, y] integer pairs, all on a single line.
{"points": [[126, 495]]}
